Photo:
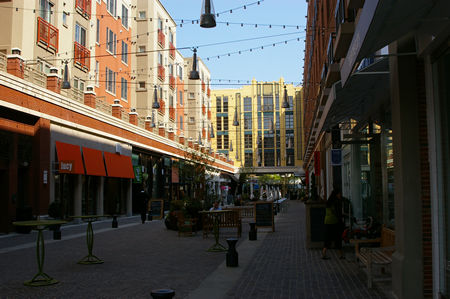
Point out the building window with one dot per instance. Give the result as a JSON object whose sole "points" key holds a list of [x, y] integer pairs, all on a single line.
{"points": [[124, 16], [160, 24], [97, 69], [291, 103], [259, 121], [141, 49], [218, 104], [124, 89], [141, 85], [225, 104], [289, 121], [64, 18], [248, 141], [111, 6], [110, 81], [258, 103], [78, 84], [268, 140], [160, 59], [225, 123], [219, 123], [191, 120], [268, 104], [225, 141], [171, 101], [142, 15], [247, 104], [191, 95], [181, 123], [181, 98], [247, 121], [170, 37], [219, 142], [268, 120], [277, 122], [248, 159], [45, 10], [269, 158], [180, 72], [80, 35], [97, 34], [111, 41], [124, 52]]}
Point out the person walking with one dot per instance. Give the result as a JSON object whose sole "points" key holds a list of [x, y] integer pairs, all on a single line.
{"points": [[143, 201], [333, 224]]}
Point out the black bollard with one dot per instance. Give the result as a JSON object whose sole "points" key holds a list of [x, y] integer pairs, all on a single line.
{"points": [[232, 255], [252, 236], [150, 217], [163, 293], [115, 224], [57, 232]]}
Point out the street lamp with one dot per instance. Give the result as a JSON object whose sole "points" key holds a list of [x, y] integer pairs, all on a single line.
{"points": [[155, 104], [285, 100], [212, 132], [194, 75], [207, 17], [235, 120], [66, 81]]}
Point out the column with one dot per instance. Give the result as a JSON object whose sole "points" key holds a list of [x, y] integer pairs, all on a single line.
{"points": [[355, 180], [129, 203], [100, 195], [78, 187], [407, 259]]}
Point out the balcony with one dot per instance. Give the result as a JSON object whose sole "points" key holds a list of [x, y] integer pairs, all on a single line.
{"points": [[203, 109], [81, 56], [203, 133], [171, 50], [332, 70], [209, 114], [161, 38], [162, 107], [203, 86], [208, 93], [172, 113], [48, 35], [84, 8], [161, 72], [345, 27], [172, 82]]}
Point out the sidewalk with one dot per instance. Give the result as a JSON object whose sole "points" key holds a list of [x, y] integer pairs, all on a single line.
{"points": [[141, 257]]}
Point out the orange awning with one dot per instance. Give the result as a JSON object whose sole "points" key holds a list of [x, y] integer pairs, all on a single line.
{"points": [[93, 162], [69, 158], [119, 166]]}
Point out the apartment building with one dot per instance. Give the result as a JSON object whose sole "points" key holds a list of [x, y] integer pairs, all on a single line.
{"points": [[375, 119], [268, 137]]}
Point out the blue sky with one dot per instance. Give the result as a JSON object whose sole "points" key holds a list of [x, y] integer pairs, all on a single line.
{"points": [[267, 64]]}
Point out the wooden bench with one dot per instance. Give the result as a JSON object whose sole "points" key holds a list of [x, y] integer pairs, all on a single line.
{"points": [[376, 256], [227, 219]]}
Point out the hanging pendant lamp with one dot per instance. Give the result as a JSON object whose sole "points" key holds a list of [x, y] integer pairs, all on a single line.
{"points": [[231, 145], [207, 17], [235, 120], [237, 155], [66, 81], [194, 75], [152, 125], [155, 104], [285, 100]]}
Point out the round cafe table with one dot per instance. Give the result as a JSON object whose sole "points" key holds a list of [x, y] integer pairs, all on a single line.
{"points": [[89, 259], [215, 214], [41, 278]]}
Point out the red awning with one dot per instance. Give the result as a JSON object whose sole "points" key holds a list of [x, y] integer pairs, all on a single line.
{"points": [[93, 162], [119, 166], [69, 158]]}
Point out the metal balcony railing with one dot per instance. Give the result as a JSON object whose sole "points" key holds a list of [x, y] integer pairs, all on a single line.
{"points": [[161, 72], [343, 15], [172, 81], [84, 7], [161, 38], [81, 55], [171, 50], [47, 35]]}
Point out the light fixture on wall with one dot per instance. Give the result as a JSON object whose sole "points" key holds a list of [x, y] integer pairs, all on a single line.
{"points": [[194, 75], [235, 120], [155, 104], [66, 81], [207, 17], [211, 135], [231, 145], [285, 100]]}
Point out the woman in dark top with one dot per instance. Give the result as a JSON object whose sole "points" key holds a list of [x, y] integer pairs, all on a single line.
{"points": [[333, 224]]}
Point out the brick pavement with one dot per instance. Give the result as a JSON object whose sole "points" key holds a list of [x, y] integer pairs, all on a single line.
{"points": [[139, 258]]}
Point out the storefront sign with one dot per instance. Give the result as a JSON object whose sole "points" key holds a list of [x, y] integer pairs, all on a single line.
{"points": [[65, 166], [137, 174], [336, 157], [317, 163]]}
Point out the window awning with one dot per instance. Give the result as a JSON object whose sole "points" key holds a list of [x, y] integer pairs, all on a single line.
{"points": [[69, 158], [118, 166], [93, 162], [382, 22]]}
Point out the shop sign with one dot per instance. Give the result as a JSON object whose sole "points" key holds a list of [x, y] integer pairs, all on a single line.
{"points": [[336, 157], [137, 174], [65, 166]]}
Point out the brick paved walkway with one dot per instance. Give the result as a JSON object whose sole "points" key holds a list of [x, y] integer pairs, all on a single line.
{"points": [[139, 258]]}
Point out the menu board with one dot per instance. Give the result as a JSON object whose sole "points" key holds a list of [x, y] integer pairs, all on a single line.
{"points": [[157, 208], [264, 214]]}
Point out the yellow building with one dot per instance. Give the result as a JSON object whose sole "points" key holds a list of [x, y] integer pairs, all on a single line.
{"points": [[268, 137]]}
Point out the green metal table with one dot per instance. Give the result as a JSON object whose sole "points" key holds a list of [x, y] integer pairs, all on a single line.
{"points": [[41, 278], [89, 259], [216, 247]]}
